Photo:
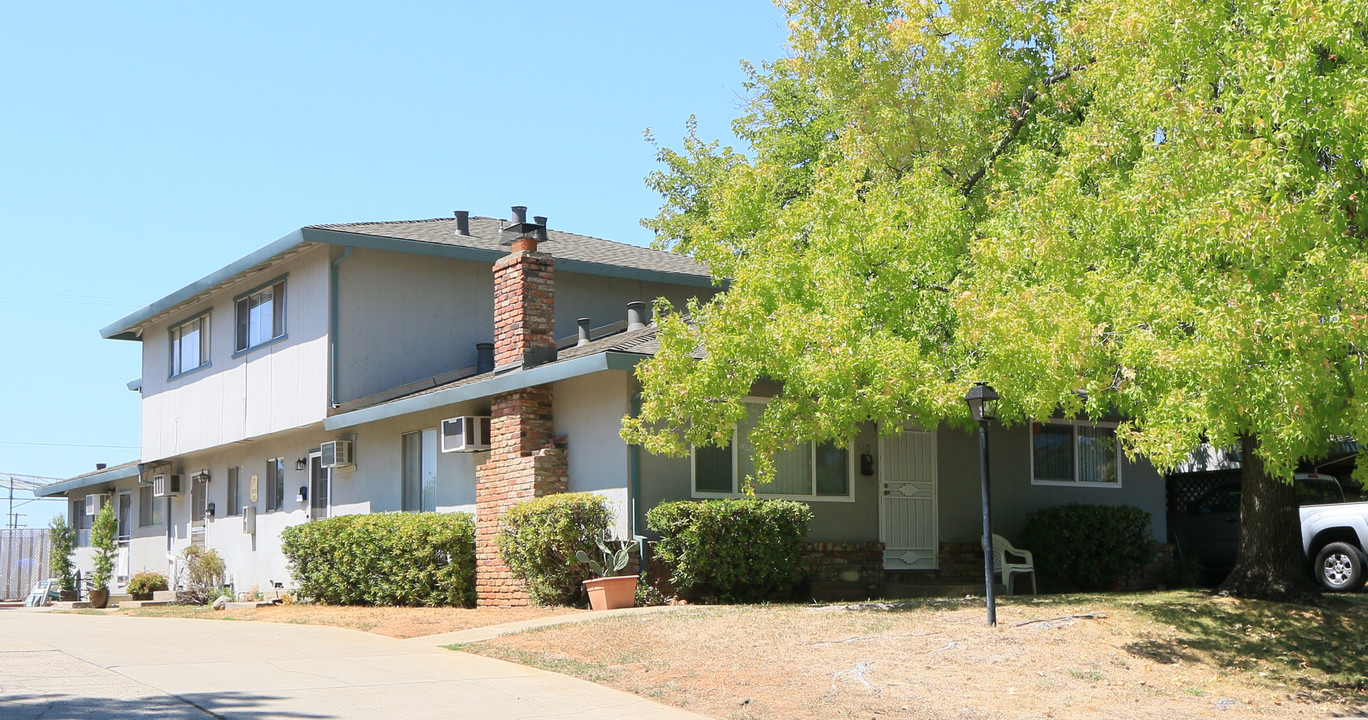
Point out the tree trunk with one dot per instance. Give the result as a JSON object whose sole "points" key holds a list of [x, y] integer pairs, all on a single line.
{"points": [[1269, 564]]}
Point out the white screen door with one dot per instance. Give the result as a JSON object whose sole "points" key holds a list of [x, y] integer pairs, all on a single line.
{"points": [[907, 500]]}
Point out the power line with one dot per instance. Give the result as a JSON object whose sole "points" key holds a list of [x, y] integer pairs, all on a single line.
{"points": [[74, 445], [69, 295]]}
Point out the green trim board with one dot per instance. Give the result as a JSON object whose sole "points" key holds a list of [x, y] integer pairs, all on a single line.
{"points": [[540, 375]]}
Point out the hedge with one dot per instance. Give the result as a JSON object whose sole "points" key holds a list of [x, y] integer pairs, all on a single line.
{"points": [[1088, 546], [539, 540], [737, 550], [385, 559]]}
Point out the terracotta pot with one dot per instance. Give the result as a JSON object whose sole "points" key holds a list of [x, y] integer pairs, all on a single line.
{"points": [[611, 593], [99, 598]]}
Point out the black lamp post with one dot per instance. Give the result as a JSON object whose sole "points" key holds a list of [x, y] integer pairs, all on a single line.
{"points": [[982, 400]]}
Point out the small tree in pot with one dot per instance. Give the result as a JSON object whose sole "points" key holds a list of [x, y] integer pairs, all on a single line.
{"points": [[61, 564], [609, 591], [103, 538]]}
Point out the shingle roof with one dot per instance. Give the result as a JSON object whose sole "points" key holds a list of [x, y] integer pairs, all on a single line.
{"points": [[90, 479], [638, 342], [485, 235]]}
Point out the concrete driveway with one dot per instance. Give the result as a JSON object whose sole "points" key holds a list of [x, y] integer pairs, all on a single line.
{"points": [[55, 666]]}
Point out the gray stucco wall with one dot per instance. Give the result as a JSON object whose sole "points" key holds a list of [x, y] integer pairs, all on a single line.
{"points": [[1013, 495], [958, 498], [404, 318]]}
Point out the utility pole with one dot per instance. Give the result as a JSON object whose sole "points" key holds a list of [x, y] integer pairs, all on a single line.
{"points": [[27, 482]]}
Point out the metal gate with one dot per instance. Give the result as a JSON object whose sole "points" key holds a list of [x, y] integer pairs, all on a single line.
{"points": [[907, 503], [24, 553]]}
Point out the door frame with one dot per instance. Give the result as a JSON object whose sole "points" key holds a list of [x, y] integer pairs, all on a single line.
{"points": [[935, 492], [316, 456]]}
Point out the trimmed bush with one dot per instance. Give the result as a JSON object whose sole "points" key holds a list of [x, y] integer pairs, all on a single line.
{"points": [[539, 540], [146, 583], [1088, 546], [385, 559], [737, 550]]}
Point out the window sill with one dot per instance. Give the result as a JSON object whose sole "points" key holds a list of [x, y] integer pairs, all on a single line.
{"points": [[763, 496], [191, 371], [258, 346], [1076, 483]]}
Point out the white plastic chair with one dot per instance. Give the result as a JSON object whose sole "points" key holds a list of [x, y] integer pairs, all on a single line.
{"points": [[1006, 570]]}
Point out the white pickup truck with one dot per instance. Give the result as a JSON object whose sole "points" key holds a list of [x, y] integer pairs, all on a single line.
{"points": [[1334, 532], [1334, 537]]}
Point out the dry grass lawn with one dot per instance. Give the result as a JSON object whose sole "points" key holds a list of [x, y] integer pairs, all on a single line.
{"points": [[395, 622], [1153, 655]]}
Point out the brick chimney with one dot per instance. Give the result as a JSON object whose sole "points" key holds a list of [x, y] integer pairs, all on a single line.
{"points": [[524, 459]]}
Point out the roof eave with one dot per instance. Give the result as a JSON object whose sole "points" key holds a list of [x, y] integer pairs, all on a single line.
{"points": [[126, 328], [540, 375], [84, 481]]}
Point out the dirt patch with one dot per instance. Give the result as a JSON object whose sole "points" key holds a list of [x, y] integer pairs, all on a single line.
{"points": [[395, 622], [1135, 656]]}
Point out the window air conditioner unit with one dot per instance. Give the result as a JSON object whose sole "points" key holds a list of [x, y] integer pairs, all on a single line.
{"points": [[248, 519], [336, 453], [166, 485], [94, 503], [468, 433]]}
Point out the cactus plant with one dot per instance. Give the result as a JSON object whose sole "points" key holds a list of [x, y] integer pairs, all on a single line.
{"points": [[613, 562]]}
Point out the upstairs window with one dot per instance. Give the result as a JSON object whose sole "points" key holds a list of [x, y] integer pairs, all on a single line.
{"points": [[260, 316], [190, 345], [1075, 453], [805, 471]]}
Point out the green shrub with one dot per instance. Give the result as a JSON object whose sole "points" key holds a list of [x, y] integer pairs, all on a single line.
{"points": [[1088, 546], [385, 559], [60, 560], [146, 583], [539, 540], [739, 550], [104, 541]]}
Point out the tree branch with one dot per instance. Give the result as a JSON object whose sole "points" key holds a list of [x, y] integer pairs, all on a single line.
{"points": [[1021, 111]]}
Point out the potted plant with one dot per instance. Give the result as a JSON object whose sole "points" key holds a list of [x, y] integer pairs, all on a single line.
{"points": [[60, 563], [104, 542], [142, 585], [609, 590]]}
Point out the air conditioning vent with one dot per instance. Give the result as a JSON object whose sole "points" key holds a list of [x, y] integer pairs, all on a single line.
{"points": [[166, 484], [468, 433], [336, 453], [95, 503], [248, 519]]}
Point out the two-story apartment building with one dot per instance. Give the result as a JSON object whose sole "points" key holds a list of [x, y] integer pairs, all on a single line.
{"points": [[314, 378]]}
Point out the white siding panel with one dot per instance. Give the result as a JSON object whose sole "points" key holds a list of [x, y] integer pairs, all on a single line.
{"points": [[281, 386]]}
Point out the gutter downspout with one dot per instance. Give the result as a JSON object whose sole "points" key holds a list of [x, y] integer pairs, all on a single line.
{"points": [[634, 497], [333, 326]]}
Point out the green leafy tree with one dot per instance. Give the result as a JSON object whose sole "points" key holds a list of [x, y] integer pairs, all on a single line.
{"points": [[60, 561], [104, 532], [1152, 209]]}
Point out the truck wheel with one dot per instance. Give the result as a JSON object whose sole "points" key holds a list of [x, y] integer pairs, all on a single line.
{"points": [[1340, 567]]}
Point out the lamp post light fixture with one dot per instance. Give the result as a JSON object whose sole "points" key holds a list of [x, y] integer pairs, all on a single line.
{"points": [[982, 401]]}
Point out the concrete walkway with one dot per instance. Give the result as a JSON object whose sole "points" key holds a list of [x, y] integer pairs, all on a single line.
{"points": [[55, 666]]}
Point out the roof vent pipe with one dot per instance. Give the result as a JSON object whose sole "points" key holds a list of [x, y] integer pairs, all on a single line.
{"points": [[519, 214], [583, 332], [100, 466], [540, 220], [637, 315], [484, 357], [463, 222]]}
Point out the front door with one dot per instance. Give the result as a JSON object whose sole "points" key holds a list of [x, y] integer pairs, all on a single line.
{"points": [[907, 501], [320, 485], [125, 516], [199, 496]]}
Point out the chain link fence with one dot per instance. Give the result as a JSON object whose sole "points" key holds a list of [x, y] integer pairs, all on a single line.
{"points": [[23, 561]]}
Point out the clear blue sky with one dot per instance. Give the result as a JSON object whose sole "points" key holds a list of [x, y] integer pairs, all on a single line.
{"points": [[145, 145]]}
